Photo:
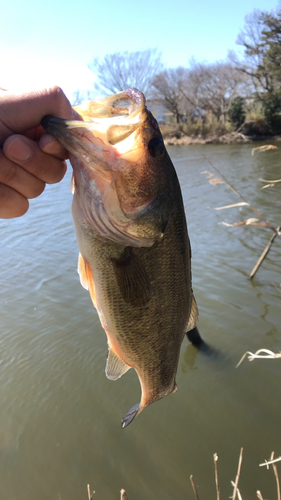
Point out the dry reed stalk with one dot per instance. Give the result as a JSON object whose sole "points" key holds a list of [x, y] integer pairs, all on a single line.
{"points": [[269, 462], [262, 149], [124, 495], [216, 475], [264, 253], [272, 462], [270, 183], [275, 474], [251, 356], [194, 488], [90, 495], [241, 204], [261, 221], [238, 491], [260, 216], [259, 495], [237, 475]]}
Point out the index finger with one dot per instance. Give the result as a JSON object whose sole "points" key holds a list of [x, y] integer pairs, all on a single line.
{"points": [[23, 112]]}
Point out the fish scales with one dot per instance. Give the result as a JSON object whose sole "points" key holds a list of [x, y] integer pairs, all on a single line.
{"points": [[134, 245]]}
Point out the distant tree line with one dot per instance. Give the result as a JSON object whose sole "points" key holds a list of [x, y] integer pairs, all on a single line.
{"points": [[223, 91]]}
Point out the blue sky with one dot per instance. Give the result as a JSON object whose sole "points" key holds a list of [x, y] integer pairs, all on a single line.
{"points": [[52, 42]]}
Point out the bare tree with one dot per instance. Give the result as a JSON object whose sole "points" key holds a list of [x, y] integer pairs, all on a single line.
{"points": [[190, 89], [122, 70], [78, 96], [192, 92], [169, 84], [211, 87]]}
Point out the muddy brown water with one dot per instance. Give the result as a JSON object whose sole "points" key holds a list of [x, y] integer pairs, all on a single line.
{"points": [[60, 416]]}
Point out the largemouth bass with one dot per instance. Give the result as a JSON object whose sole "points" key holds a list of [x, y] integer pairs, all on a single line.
{"points": [[135, 256]]}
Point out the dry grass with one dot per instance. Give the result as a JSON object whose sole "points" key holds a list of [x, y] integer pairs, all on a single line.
{"points": [[236, 491], [194, 130], [260, 220], [260, 354]]}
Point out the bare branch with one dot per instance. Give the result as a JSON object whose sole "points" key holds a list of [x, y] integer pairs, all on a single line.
{"points": [[122, 70]]}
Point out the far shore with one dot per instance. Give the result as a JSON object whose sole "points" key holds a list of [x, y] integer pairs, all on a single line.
{"points": [[181, 139]]}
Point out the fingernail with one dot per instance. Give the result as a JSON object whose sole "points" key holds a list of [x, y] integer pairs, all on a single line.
{"points": [[52, 147], [19, 150]]}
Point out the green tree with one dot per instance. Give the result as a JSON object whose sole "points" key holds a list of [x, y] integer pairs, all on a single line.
{"points": [[272, 111], [255, 63], [236, 111], [271, 38], [261, 39]]}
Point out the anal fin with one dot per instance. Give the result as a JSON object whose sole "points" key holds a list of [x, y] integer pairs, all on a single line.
{"points": [[192, 332], [115, 366], [130, 415], [193, 316]]}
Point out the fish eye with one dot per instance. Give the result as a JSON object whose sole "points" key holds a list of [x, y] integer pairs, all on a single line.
{"points": [[156, 147]]}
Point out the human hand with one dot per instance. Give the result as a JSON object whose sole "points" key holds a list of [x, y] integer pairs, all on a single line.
{"points": [[29, 157]]}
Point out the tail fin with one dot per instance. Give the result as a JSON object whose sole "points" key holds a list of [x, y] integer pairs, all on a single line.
{"points": [[130, 415], [194, 337]]}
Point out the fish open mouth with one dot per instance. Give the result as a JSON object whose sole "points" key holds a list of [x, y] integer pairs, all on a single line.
{"points": [[107, 128]]}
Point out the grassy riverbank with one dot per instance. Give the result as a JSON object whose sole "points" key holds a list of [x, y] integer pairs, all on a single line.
{"points": [[216, 132]]}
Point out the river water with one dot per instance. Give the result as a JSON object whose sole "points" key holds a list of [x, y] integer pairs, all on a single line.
{"points": [[60, 416]]}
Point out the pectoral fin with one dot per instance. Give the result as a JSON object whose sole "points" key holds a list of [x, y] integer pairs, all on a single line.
{"points": [[81, 269], [72, 185], [86, 277], [132, 278], [115, 366]]}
